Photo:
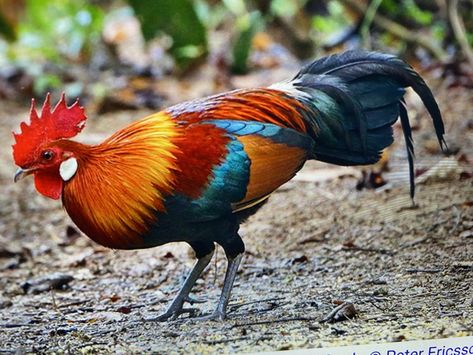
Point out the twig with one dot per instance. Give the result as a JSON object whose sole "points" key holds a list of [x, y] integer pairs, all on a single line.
{"points": [[317, 238], [371, 250], [452, 314], [437, 224], [414, 242], [401, 31], [75, 303], [222, 341], [457, 219], [459, 30], [382, 317], [367, 21], [459, 245], [234, 307], [428, 271], [376, 306], [86, 345], [215, 267], [16, 325], [281, 320], [54, 303]]}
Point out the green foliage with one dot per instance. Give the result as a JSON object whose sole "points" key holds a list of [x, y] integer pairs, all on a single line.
{"points": [[438, 31], [326, 26], [51, 35], [247, 26], [53, 32], [46, 81], [415, 13], [284, 8], [408, 9], [179, 20], [55, 28], [210, 15]]}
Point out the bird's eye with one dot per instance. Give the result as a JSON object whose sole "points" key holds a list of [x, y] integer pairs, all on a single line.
{"points": [[47, 155]]}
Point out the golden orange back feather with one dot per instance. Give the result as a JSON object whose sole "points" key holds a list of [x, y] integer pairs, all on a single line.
{"points": [[260, 105]]}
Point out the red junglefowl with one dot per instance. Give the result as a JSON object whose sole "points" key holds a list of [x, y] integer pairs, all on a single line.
{"points": [[195, 171]]}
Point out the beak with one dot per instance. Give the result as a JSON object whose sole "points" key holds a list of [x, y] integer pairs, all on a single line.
{"points": [[22, 173]]}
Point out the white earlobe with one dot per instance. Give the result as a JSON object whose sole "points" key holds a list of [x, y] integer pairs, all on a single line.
{"points": [[68, 168]]}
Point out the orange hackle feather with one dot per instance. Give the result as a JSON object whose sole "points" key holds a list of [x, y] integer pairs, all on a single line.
{"points": [[61, 122], [121, 183]]}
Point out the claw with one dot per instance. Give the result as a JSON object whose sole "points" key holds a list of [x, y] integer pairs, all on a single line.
{"points": [[173, 314], [193, 300]]}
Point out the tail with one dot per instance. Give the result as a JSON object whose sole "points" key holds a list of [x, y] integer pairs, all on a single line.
{"points": [[352, 101]]}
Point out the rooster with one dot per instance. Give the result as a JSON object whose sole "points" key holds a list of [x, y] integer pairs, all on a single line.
{"points": [[195, 171]]}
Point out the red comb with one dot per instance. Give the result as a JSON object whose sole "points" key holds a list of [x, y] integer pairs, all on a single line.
{"points": [[61, 122]]}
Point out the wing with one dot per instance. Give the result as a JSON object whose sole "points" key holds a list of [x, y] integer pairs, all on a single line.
{"points": [[226, 166], [275, 154], [265, 143]]}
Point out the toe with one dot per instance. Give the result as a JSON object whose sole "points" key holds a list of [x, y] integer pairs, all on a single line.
{"points": [[215, 316]]}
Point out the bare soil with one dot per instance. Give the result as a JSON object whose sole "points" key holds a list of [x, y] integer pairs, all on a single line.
{"points": [[407, 269]]}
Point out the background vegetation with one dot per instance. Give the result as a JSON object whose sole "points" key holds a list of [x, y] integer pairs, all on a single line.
{"points": [[78, 46]]}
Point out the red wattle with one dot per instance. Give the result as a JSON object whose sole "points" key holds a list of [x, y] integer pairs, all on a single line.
{"points": [[48, 183]]}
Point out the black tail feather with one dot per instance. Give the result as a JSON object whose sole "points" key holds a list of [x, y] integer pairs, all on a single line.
{"points": [[342, 97], [353, 65], [354, 98], [406, 129]]}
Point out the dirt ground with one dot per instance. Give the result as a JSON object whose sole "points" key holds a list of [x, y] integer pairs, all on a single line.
{"points": [[407, 270]]}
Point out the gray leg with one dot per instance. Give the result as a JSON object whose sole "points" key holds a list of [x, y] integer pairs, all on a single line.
{"points": [[232, 268], [176, 307]]}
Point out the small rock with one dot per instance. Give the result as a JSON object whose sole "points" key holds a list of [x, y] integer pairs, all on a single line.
{"points": [[11, 264], [467, 265], [56, 281], [5, 303], [8, 251], [466, 234], [72, 232], [342, 312], [266, 306], [338, 331], [381, 291], [124, 309], [106, 317], [62, 331], [399, 338], [446, 169], [300, 259]]}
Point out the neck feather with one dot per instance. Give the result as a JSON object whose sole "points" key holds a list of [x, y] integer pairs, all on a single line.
{"points": [[121, 183]]}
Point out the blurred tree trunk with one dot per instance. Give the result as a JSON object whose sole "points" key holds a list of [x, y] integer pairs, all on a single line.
{"points": [[459, 31], [10, 13]]}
